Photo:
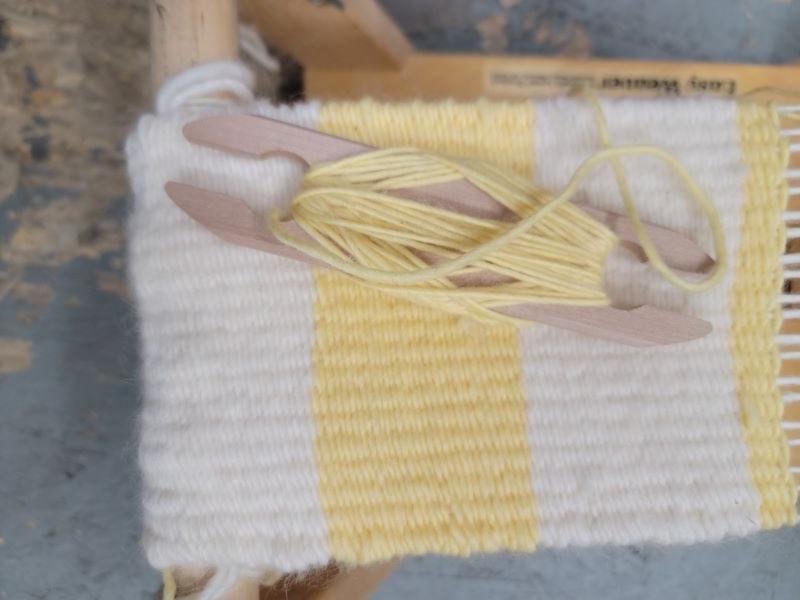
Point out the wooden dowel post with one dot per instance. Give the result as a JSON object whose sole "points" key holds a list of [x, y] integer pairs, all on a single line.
{"points": [[194, 579], [185, 33], [357, 583]]}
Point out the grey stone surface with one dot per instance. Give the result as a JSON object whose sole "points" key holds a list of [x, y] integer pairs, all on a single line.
{"points": [[761, 31], [764, 566], [69, 509]]}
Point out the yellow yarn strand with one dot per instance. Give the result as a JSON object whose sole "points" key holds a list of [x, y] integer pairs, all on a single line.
{"points": [[553, 253], [379, 238], [170, 587], [720, 255]]}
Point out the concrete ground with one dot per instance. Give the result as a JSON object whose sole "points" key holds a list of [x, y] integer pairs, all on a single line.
{"points": [[72, 80]]}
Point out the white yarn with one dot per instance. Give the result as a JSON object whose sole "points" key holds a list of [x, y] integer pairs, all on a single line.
{"points": [[630, 445], [201, 83], [253, 46], [227, 437]]}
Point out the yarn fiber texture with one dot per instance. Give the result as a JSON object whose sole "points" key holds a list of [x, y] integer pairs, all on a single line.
{"points": [[360, 228], [552, 253], [292, 417]]}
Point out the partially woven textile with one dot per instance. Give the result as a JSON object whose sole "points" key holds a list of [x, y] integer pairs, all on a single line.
{"points": [[292, 417]]}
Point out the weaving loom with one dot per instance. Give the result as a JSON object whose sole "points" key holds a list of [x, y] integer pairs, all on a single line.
{"points": [[293, 418]]}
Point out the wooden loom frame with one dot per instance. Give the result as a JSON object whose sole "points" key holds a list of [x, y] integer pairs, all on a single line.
{"points": [[356, 50]]}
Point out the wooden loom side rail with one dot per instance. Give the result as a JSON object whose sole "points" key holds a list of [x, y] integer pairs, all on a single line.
{"points": [[468, 76]]}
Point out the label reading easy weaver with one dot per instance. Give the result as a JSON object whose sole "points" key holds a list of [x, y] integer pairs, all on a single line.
{"points": [[505, 81]]}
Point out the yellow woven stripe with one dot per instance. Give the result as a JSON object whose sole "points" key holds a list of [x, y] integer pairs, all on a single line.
{"points": [[756, 314], [498, 132], [420, 418]]}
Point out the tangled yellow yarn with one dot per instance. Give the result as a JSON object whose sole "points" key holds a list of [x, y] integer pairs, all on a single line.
{"points": [[553, 253]]}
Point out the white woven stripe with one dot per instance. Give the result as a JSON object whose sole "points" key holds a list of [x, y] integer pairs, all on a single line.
{"points": [[227, 432], [635, 445]]}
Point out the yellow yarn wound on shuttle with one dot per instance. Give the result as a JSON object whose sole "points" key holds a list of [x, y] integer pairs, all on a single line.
{"points": [[365, 233], [552, 253]]}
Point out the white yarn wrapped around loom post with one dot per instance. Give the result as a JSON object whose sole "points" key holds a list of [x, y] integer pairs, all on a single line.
{"points": [[207, 83]]}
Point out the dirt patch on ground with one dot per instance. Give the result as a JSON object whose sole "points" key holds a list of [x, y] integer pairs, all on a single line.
{"points": [[492, 31], [113, 283], [15, 355], [60, 231], [73, 77]]}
